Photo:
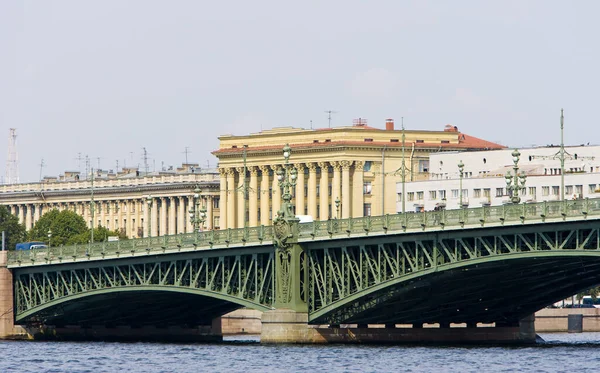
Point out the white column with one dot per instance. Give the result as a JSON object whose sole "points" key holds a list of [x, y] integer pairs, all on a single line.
{"points": [[240, 198], [180, 215], [230, 198], [346, 197], [21, 214], [154, 217], [253, 197], [335, 192], [324, 191], [299, 202], [163, 217], [223, 198], [28, 217], [37, 214], [312, 189], [172, 215], [209, 213], [264, 195], [358, 197], [275, 192]]}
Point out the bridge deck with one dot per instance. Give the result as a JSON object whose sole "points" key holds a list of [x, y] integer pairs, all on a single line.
{"points": [[430, 221]]}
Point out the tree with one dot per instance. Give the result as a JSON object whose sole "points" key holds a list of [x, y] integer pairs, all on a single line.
{"points": [[100, 234], [66, 228], [14, 232]]}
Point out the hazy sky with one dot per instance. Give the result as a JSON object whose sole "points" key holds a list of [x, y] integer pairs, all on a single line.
{"points": [[106, 78]]}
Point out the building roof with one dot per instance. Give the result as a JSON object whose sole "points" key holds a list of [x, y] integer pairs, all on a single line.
{"points": [[465, 142]]}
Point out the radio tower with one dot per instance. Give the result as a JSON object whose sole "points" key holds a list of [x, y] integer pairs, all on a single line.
{"points": [[12, 161]]}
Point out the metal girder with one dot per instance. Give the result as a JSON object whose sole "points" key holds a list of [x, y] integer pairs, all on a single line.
{"points": [[244, 279], [350, 276]]}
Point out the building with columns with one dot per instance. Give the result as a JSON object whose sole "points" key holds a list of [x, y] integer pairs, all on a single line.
{"points": [[124, 201], [356, 166]]}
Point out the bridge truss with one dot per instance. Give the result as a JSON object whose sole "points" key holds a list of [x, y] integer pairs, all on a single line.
{"points": [[226, 281], [477, 275]]}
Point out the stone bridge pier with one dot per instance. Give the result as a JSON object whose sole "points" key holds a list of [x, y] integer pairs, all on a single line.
{"points": [[8, 329]]}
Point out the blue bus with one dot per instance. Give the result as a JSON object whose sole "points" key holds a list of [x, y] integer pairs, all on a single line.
{"points": [[30, 245]]}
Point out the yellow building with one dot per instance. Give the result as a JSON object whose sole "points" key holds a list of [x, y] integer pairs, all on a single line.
{"points": [[124, 201], [357, 165]]}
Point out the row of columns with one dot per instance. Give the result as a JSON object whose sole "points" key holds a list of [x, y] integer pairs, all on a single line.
{"points": [[169, 215], [264, 194]]}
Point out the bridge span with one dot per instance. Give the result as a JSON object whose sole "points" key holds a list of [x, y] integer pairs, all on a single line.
{"points": [[475, 274]]}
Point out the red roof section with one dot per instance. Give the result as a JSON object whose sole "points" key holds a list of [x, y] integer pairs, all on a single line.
{"points": [[466, 142]]}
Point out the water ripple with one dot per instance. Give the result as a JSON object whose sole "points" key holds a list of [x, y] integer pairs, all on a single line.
{"points": [[559, 352]]}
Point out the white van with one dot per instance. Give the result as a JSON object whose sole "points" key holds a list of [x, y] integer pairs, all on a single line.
{"points": [[305, 218]]}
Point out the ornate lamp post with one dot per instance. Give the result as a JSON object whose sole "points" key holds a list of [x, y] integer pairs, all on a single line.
{"points": [[149, 206], [337, 207], [194, 217], [202, 217], [49, 237], [516, 183], [287, 180], [461, 169]]}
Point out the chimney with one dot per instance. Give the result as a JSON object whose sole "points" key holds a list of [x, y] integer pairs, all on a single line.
{"points": [[389, 124]]}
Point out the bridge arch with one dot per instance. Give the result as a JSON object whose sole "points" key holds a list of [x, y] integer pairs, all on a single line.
{"points": [[480, 275], [160, 303], [216, 284]]}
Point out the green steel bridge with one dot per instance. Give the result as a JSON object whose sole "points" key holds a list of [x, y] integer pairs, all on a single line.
{"points": [[476, 265]]}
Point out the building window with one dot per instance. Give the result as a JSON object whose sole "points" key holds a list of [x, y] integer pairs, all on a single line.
{"points": [[368, 140], [367, 187], [216, 222], [399, 198], [569, 190], [579, 190], [499, 192], [532, 191], [411, 196], [424, 165], [545, 191], [318, 212], [465, 193], [592, 188], [442, 194], [487, 192], [329, 190], [476, 193], [367, 209], [420, 141], [555, 190], [318, 190], [454, 193], [420, 196], [432, 195], [367, 166]]}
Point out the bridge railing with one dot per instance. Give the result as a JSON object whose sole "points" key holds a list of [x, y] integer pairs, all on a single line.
{"points": [[318, 229], [146, 245], [453, 218]]}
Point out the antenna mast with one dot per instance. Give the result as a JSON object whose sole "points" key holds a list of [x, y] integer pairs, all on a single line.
{"points": [[329, 112], [145, 160], [12, 162], [186, 152], [42, 164]]}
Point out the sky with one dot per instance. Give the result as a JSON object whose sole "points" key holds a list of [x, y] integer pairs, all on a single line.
{"points": [[105, 79]]}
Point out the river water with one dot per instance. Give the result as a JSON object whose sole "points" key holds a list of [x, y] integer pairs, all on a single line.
{"points": [[559, 353]]}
